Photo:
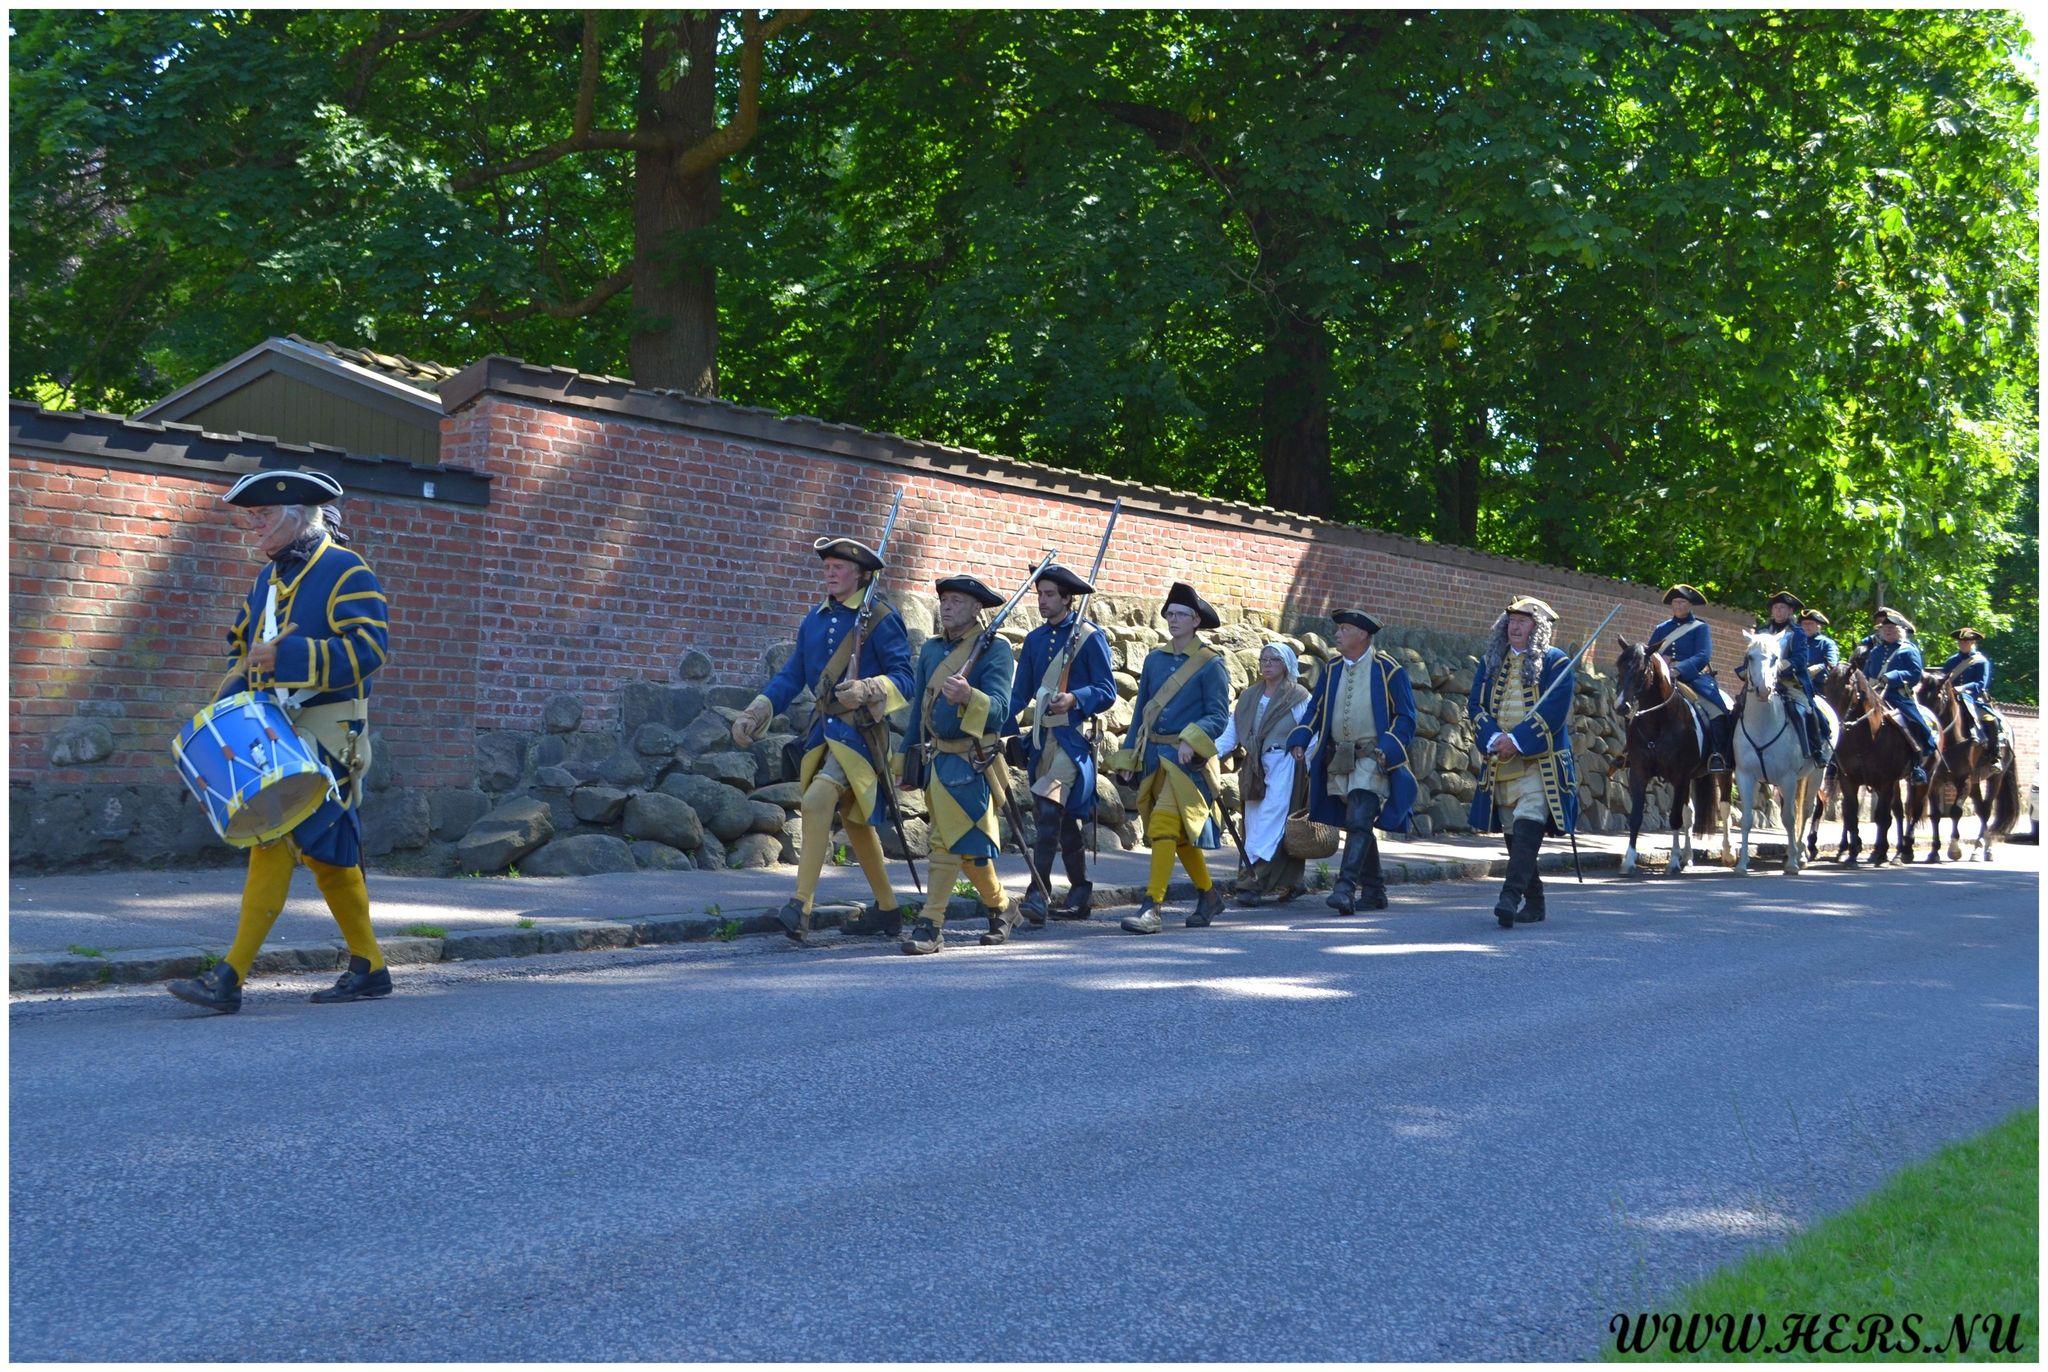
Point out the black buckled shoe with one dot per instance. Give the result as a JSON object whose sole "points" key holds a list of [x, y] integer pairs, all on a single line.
{"points": [[925, 937], [795, 920], [874, 920], [217, 988], [1504, 914], [1208, 905], [1080, 902], [1343, 897], [357, 983], [1000, 923], [1034, 907], [1374, 898]]}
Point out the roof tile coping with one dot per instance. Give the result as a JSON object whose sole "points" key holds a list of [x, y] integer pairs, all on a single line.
{"points": [[565, 386], [394, 476], [397, 365]]}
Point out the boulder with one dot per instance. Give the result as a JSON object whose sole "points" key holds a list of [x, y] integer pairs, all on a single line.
{"points": [[383, 772], [710, 854], [777, 655], [562, 714], [755, 850], [659, 857], [663, 819], [731, 697], [768, 817], [1449, 811], [724, 811], [504, 836], [556, 779], [707, 733], [917, 831], [396, 819], [786, 794], [598, 804], [580, 855], [622, 769], [729, 768], [80, 743], [767, 755], [657, 702], [695, 667], [654, 739], [501, 758], [792, 839]]}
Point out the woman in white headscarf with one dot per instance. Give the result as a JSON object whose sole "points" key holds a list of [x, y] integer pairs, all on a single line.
{"points": [[1265, 714]]}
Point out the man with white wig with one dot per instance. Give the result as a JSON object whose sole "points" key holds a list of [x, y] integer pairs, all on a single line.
{"points": [[1265, 715]]}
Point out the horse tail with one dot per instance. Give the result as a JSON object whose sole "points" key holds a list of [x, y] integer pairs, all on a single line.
{"points": [[2006, 812], [1706, 799]]}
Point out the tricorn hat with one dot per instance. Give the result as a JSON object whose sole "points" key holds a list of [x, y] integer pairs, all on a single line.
{"points": [[1183, 594], [1962, 634], [1064, 580], [970, 586], [1785, 598], [1357, 619], [1887, 615], [1816, 616], [1534, 608], [286, 487], [1684, 592], [850, 550]]}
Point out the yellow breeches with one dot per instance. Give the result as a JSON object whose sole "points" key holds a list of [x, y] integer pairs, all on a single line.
{"points": [[1169, 791], [270, 881], [945, 869], [823, 800], [1164, 831]]}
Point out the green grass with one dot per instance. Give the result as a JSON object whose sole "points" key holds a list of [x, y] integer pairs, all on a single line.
{"points": [[728, 931], [81, 950], [1957, 1235], [424, 931], [524, 924]]}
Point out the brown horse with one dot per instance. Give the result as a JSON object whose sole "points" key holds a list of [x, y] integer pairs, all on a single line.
{"points": [[1663, 744], [1875, 754], [1987, 775]]}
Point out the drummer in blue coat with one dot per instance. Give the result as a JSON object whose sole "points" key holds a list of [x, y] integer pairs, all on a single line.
{"points": [[955, 726], [315, 629], [1969, 671], [1896, 659], [1688, 642], [840, 773], [1528, 782], [1182, 707], [1054, 697], [1360, 725]]}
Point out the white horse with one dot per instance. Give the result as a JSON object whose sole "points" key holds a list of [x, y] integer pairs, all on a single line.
{"points": [[1769, 750]]}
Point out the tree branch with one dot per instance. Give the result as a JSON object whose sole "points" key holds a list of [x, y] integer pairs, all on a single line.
{"points": [[365, 55], [574, 309], [725, 141]]}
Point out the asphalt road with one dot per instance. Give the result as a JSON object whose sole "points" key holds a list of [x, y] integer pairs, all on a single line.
{"points": [[1410, 1136]]}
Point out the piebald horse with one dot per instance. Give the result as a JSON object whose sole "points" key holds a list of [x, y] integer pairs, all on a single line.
{"points": [[1769, 750]]}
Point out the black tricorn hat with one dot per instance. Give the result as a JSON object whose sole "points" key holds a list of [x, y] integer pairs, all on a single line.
{"points": [[1067, 582], [283, 488], [1887, 615], [1962, 634], [1358, 619], [1684, 592], [850, 550], [1816, 616], [970, 586], [1785, 598], [1183, 594]]}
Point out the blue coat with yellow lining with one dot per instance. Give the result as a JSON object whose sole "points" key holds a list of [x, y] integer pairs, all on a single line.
{"points": [[337, 636], [1196, 716], [962, 805], [884, 654], [1393, 716], [1093, 683], [1544, 738]]}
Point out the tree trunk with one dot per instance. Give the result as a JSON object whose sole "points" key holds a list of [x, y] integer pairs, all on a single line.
{"points": [[675, 300], [1294, 415], [1454, 449]]}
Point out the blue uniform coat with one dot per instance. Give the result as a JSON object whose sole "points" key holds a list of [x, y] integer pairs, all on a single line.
{"points": [[1690, 654], [1094, 689], [1393, 715], [1196, 715], [972, 832], [884, 653], [1544, 738], [1900, 666], [1969, 672]]}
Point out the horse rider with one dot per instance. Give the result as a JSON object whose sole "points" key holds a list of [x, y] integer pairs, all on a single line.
{"points": [[1529, 783], [1361, 722], [1689, 644], [1895, 658], [1797, 658], [1066, 690], [1822, 652], [1969, 671]]}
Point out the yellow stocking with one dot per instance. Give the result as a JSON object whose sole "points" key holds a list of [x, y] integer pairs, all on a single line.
{"points": [[820, 804], [1197, 865], [982, 873], [867, 850], [263, 894], [348, 900], [1162, 869], [943, 870]]}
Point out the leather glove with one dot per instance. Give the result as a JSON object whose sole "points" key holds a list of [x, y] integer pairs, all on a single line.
{"points": [[751, 721], [865, 691]]}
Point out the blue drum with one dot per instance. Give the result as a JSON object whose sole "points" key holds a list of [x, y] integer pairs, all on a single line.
{"points": [[256, 777]]}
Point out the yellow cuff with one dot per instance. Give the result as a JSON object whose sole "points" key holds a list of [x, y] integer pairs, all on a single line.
{"points": [[1123, 760], [974, 714], [892, 698], [1204, 745]]}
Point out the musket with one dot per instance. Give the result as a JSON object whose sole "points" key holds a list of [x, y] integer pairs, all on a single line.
{"points": [[1066, 657], [1571, 668], [1230, 826], [1011, 811], [869, 732]]}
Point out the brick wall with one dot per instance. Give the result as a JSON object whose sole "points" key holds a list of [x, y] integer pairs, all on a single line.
{"points": [[121, 587]]}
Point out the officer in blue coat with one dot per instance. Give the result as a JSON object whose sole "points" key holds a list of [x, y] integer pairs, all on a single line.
{"points": [[1688, 642], [1360, 725], [314, 629], [1056, 695], [1897, 660], [840, 772], [1969, 671], [1528, 782], [1796, 658], [1822, 652]]}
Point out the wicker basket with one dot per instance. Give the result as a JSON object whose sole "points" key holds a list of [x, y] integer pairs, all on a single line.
{"points": [[1304, 838]]}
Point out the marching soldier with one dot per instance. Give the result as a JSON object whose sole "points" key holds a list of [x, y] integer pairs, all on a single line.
{"points": [[1361, 723], [1969, 671], [1689, 642], [1898, 662], [1529, 781], [840, 772], [1183, 703], [959, 709], [1053, 748], [1798, 656], [332, 634]]}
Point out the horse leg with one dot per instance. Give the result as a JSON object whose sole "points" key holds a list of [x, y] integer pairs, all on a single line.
{"points": [[1903, 817], [1679, 837], [1638, 788], [1749, 789], [1849, 851], [1792, 800], [1726, 782], [1886, 800]]}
